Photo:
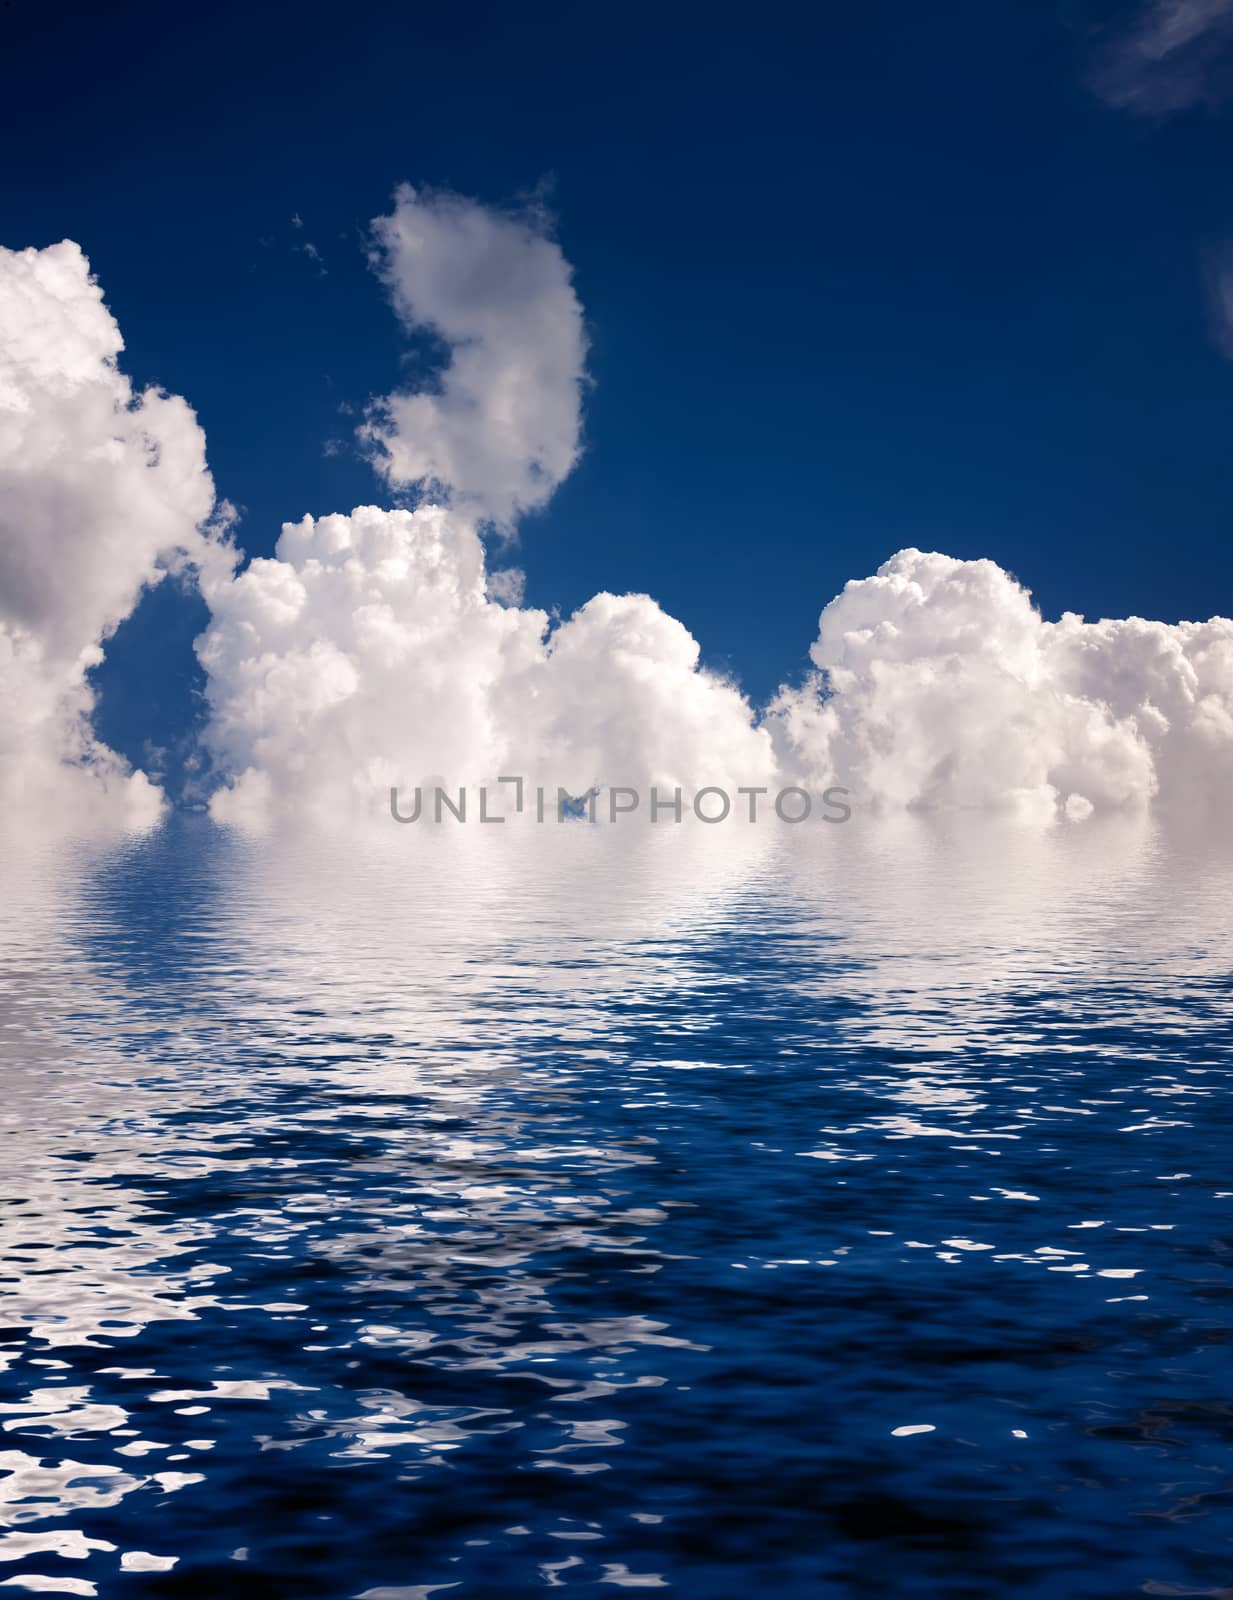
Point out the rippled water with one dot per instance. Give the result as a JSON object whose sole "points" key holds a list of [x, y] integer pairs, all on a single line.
{"points": [[479, 1213]]}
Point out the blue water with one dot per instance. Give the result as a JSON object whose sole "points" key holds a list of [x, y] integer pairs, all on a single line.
{"points": [[480, 1214]]}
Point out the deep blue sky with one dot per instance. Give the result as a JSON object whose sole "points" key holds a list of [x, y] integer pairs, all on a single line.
{"points": [[856, 277]]}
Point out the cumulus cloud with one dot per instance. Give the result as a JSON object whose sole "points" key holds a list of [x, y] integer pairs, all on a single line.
{"points": [[378, 650], [939, 685], [370, 652], [499, 427], [102, 491], [1178, 54]]}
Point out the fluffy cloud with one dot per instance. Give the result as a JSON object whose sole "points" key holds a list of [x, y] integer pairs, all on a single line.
{"points": [[376, 650], [1178, 54], [939, 685], [370, 652], [500, 428], [101, 492]]}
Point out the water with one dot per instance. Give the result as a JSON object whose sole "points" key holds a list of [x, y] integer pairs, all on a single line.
{"points": [[484, 1213]]}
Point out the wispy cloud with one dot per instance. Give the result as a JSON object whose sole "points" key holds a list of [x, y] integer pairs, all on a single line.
{"points": [[1176, 56], [309, 249]]}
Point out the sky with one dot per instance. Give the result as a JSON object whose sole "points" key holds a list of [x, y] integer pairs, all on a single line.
{"points": [[854, 279]]}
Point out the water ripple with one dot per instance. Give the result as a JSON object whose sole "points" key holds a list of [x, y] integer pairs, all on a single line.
{"points": [[833, 1214]]}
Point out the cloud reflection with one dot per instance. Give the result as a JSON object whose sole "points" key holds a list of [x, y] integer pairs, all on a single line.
{"points": [[537, 1175]]}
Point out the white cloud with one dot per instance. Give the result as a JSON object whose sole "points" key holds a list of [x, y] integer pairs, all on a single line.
{"points": [[508, 585], [1177, 55], [500, 429], [101, 492], [377, 650], [948, 689], [370, 652]]}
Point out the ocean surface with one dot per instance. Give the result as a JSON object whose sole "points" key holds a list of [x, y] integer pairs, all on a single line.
{"points": [[812, 1211]]}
